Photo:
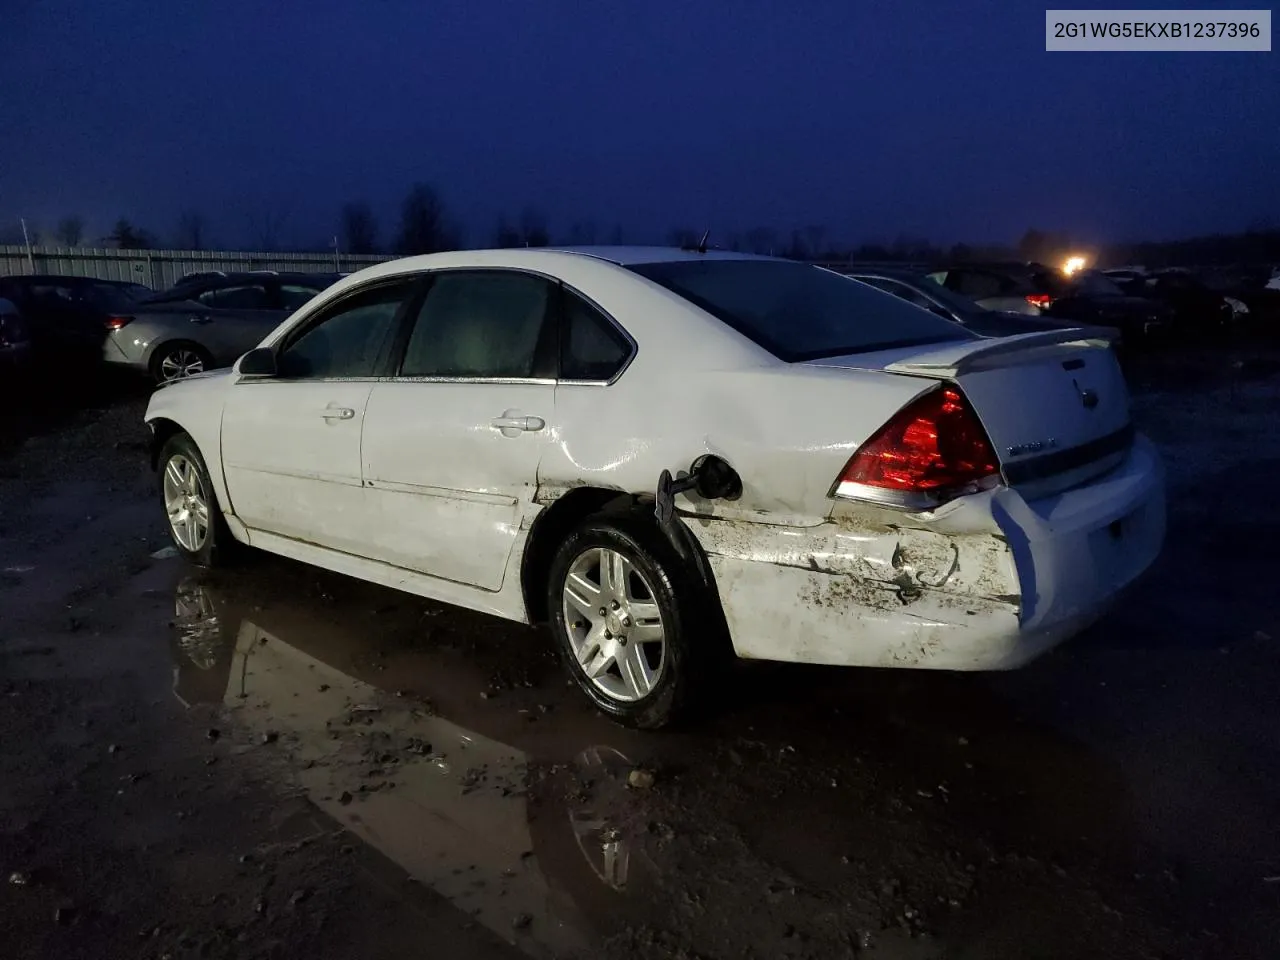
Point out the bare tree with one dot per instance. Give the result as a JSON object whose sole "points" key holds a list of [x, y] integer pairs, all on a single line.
{"points": [[506, 235], [423, 228], [796, 249], [683, 237], [126, 236], [762, 239], [359, 228], [266, 225], [70, 231], [533, 228], [191, 231], [815, 238], [583, 233]]}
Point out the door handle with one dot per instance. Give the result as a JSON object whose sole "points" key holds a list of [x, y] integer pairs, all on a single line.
{"points": [[528, 424], [338, 413], [199, 320]]}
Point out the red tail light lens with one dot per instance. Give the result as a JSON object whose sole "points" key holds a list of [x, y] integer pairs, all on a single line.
{"points": [[933, 449], [115, 323], [1041, 300]]}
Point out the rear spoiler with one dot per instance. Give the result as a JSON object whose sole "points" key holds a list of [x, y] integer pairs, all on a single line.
{"points": [[952, 361]]}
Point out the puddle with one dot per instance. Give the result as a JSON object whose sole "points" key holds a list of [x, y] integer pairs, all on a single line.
{"points": [[462, 811]]}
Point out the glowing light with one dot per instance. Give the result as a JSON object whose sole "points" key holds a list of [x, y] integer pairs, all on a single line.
{"points": [[1073, 265]]}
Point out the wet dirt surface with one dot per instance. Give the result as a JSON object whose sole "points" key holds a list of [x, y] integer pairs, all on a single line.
{"points": [[277, 761]]}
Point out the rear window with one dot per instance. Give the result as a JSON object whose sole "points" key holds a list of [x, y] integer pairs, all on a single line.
{"points": [[1095, 284], [799, 312], [109, 296]]}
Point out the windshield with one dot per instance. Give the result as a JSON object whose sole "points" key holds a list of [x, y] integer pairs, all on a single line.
{"points": [[800, 312]]}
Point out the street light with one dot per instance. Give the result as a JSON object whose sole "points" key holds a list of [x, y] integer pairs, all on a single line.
{"points": [[1072, 265]]}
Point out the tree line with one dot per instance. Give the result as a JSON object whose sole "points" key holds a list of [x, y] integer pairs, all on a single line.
{"points": [[424, 225]]}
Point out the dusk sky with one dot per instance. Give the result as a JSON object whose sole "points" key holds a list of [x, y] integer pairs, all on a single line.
{"points": [[945, 120]]}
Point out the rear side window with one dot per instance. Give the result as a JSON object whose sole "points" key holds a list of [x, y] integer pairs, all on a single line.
{"points": [[591, 347], [799, 312], [250, 296], [484, 323]]}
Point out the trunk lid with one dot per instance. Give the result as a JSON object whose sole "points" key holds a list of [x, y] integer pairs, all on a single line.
{"points": [[1054, 403]]}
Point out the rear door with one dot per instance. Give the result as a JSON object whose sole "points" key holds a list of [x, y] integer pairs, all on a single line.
{"points": [[291, 442], [236, 318], [453, 441]]}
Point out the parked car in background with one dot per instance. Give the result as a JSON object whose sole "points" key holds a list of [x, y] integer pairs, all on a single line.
{"points": [[916, 287], [208, 321], [15, 341], [68, 319], [857, 481], [1197, 309], [1255, 306], [1025, 288], [1086, 298]]}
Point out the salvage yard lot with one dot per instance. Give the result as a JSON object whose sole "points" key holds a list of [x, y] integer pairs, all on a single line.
{"points": [[1115, 799]]}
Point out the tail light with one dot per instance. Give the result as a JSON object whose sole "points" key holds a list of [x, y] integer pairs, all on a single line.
{"points": [[116, 323], [1041, 300], [932, 450]]}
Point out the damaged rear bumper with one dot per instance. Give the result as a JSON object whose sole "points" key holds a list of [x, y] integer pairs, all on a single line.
{"points": [[986, 583]]}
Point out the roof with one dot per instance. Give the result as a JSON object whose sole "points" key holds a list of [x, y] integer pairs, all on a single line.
{"points": [[629, 256]]}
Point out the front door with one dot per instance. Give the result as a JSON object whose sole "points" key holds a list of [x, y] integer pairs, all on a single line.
{"points": [[452, 443], [291, 442]]}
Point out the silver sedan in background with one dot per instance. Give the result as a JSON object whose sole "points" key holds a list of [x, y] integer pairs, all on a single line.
{"points": [[206, 322]]}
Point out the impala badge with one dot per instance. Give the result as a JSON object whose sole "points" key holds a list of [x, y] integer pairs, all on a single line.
{"points": [[1034, 446]]}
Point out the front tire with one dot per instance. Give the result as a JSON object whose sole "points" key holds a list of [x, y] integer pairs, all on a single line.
{"points": [[195, 522], [624, 611]]}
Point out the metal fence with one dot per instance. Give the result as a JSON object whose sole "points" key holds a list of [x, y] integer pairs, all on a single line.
{"points": [[160, 269]]}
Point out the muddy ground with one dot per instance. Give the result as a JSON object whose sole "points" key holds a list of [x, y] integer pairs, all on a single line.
{"points": [[280, 762]]}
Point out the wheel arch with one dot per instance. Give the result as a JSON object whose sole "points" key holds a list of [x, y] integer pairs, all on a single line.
{"points": [[162, 428], [573, 508], [206, 437]]}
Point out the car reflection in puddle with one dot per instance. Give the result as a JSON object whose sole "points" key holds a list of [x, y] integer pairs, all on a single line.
{"points": [[457, 810]]}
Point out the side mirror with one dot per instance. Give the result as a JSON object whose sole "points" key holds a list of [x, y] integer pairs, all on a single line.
{"points": [[258, 362]]}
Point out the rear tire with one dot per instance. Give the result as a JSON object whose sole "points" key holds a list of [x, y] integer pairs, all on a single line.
{"points": [[195, 522], [628, 615], [179, 360]]}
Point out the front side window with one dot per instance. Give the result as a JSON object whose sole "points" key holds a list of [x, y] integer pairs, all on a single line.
{"points": [[591, 347], [479, 324], [350, 340], [250, 296], [799, 312]]}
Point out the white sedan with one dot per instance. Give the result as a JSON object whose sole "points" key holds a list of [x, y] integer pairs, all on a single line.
{"points": [[672, 456]]}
